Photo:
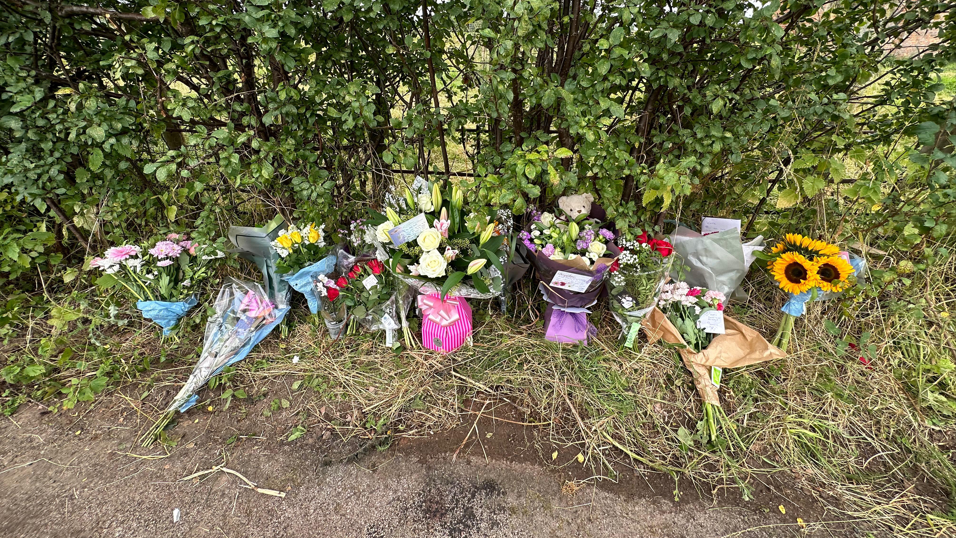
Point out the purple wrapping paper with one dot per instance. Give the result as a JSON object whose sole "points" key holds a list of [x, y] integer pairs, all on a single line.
{"points": [[567, 327], [545, 268]]}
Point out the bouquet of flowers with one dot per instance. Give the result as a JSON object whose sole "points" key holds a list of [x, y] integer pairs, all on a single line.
{"points": [[365, 296], [442, 253], [637, 276], [161, 277], [303, 255], [804, 268], [571, 257], [244, 316], [693, 319]]}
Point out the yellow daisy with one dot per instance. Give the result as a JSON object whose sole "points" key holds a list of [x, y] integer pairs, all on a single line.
{"points": [[833, 272], [794, 273]]}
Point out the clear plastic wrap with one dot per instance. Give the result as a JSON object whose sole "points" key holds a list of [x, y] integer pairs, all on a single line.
{"points": [[717, 261]]}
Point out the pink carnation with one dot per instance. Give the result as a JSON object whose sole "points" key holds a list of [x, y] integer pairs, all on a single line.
{"points": [[693, 292], [720, 307], [166, 249], [117, 254]]}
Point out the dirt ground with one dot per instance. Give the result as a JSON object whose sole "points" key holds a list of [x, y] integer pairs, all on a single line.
{"points": [[81, 473]]}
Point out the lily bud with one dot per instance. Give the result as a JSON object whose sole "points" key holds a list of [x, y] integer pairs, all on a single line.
{"points": [[475, 266], [486, 235], [573, 230], [444, 214], [457, 198], [436, 196], [393, 216], [409, 198]]}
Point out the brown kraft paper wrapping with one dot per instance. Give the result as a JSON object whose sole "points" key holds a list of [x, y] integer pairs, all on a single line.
{"points": [[738, 346]]}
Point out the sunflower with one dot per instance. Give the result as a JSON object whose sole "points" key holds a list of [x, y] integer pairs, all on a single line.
{"points": [[807, 246], [794, 273], [833, 272]]}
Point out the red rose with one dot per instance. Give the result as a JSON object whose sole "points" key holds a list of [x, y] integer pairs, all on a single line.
{"points": [[333, 294], [663, 247], [352, 275], [720, 307], [642, 239], [341, 282], [356, 269], [614, 266], [376, 267]]}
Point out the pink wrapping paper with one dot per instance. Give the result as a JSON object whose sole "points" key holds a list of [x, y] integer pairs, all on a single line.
{"points": [[446, 325]]}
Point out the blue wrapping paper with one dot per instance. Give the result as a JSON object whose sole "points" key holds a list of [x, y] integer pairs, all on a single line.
{"points": [[166, 313], [301, 280]]}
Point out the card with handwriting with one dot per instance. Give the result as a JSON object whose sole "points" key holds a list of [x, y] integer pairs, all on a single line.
{"points": [[711, 321], [571, 281], [408, 230]]}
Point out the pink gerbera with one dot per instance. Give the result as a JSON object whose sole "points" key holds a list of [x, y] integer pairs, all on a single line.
{"points": [[166, 249], [117, 254]]}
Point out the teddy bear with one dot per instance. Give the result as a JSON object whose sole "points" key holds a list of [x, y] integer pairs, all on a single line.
{"points": [[576, 205]]}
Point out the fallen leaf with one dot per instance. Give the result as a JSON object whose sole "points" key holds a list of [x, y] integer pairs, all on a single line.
{"points": [[580, 457], [782, 509], [210, 409], [554, 456], [801, 523]]}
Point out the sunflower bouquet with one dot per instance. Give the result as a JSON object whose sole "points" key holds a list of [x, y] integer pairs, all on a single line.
{"points": [[804, 268]]}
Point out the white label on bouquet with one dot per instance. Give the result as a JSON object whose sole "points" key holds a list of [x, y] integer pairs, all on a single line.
{"points": [[370, 282], [712, 225], [389, 323], [571, 281], [715, 374], [408, 230], [711, 321]]}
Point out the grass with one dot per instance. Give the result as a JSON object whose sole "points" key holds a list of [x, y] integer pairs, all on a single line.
{"points": [[873, 443]]}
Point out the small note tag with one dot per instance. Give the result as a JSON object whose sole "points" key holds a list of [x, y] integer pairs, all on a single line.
{"points": [[389, 323], [370, 282], [715, 373], [711, 321], [408, 230], [571, 281], [632, 335], [712, 225]]}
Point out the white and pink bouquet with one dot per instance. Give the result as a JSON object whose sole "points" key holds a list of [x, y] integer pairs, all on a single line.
{"points": [[161, 277]]}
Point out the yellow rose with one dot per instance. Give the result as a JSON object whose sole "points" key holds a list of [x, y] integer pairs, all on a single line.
{"points": [[314, 235], [296, 237], [430, 239], [432, 264], [285, 241]]}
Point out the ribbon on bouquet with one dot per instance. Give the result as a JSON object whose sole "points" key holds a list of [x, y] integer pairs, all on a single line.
{"points": [[446, 324], [796, 305]]}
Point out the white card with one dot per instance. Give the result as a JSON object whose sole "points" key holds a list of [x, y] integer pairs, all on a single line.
{"points": [[370, 282], [389, 323], [713, 225], [408, 230], [711, 321], [571, 281]]}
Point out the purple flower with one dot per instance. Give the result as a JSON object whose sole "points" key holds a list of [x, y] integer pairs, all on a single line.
{"points": [[583, 244], [606, 234], [548, 250], [535, 215], [121, 253], [164, 263], [166, 249]]}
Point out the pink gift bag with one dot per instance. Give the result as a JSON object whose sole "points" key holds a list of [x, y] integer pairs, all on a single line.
{"points": [[445, 324]]}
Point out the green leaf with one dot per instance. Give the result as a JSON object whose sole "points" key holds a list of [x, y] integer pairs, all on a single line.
{"points": [[97, 133], [563, 153], [812, 184], [34, 370], [837, 169], [171, 213], [296, 432], [106, 281], [493, 258], [480, 285], [787, 198], [452, 281], [95, 159]]}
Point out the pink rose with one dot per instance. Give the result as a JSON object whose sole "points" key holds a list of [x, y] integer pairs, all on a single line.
{"points": [[694, 292]]}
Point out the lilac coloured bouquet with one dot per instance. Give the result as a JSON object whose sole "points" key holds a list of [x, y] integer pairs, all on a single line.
{"points": [[580, 241]]}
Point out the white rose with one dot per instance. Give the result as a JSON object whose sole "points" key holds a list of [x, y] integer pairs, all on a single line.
{"points": [[425, 202], [381, 233], [535, 233], [430, 239], [547, 219], [432, 264], [597, 248]]}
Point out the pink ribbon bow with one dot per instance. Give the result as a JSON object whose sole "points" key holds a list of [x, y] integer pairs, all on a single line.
{"points": [[444, 313]]}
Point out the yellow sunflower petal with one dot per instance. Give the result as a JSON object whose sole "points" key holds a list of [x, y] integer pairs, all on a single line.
{"points": [[794, 273]]}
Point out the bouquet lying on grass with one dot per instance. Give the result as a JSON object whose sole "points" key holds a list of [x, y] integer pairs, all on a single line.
{"points": [[637, 277], [804, 268], [304, 255], [244, 315], [693, 319], [161, 277]]}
